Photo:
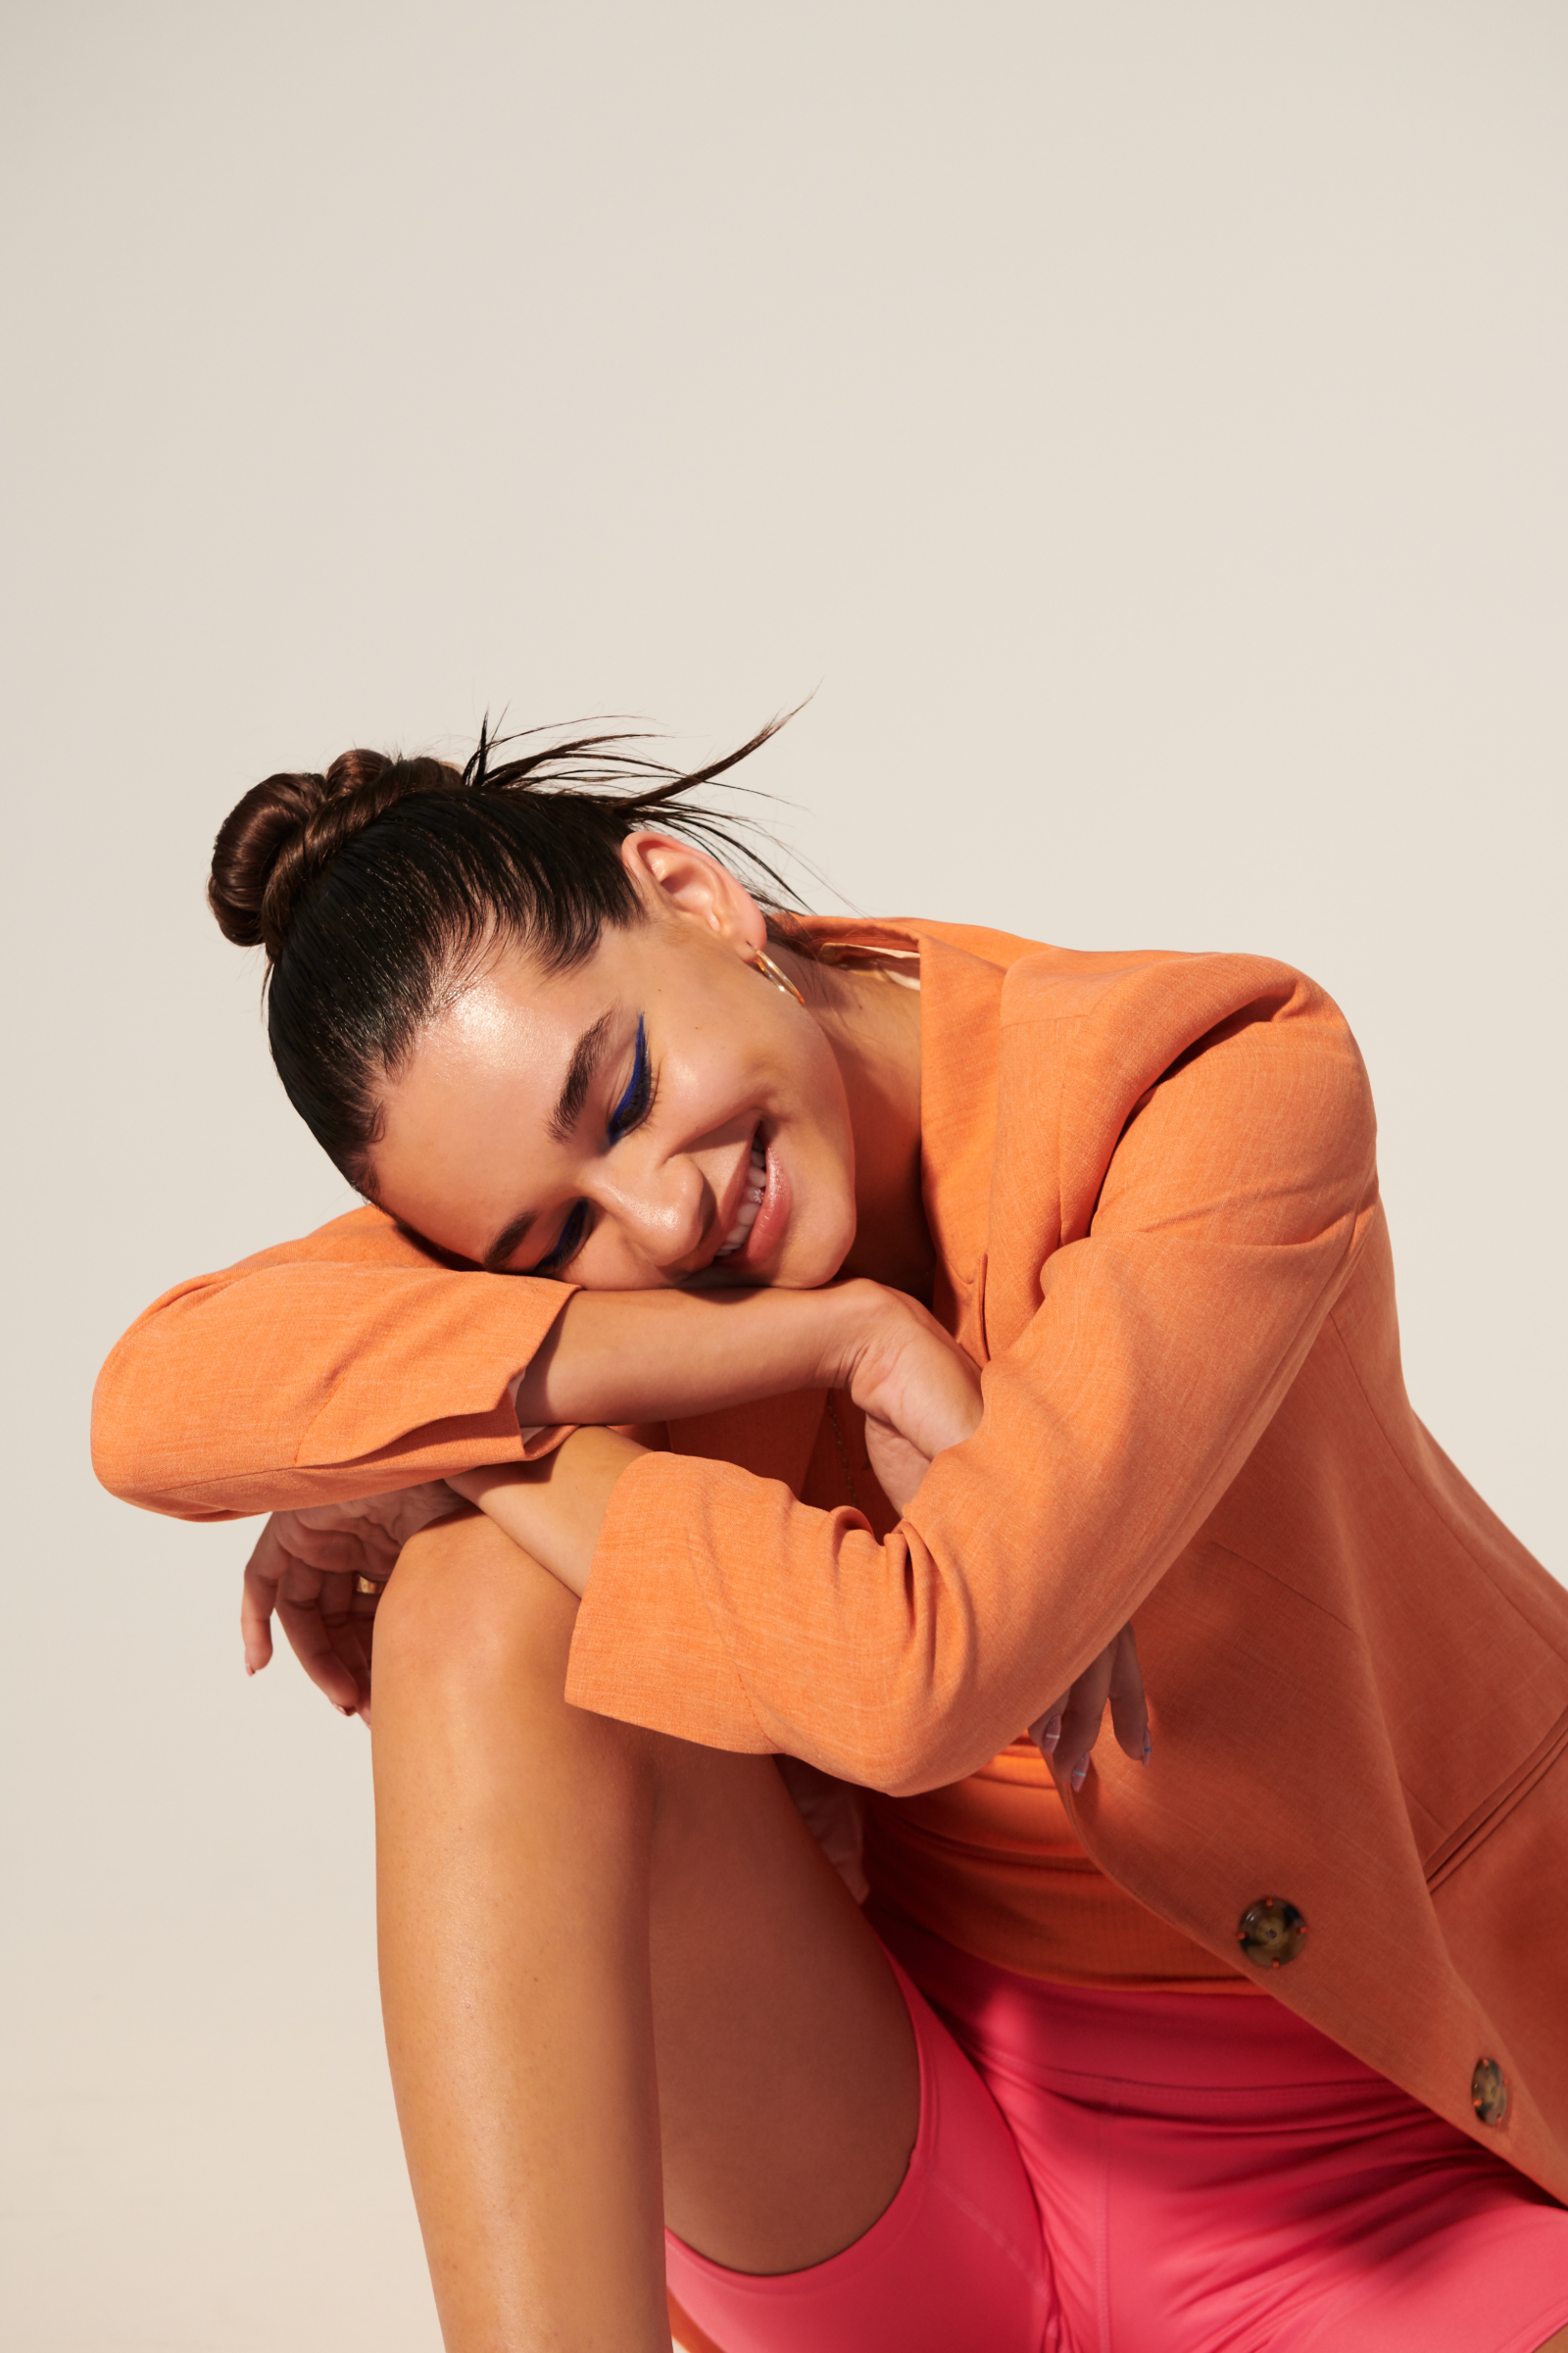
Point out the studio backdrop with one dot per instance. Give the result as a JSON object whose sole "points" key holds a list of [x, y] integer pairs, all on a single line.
{"points": [[1138, 430]]}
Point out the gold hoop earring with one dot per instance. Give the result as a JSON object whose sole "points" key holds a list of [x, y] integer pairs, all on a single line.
{"points": [[780, 980]]}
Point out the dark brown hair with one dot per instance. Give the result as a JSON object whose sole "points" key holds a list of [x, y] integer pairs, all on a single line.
{"points": [[374, 887]]}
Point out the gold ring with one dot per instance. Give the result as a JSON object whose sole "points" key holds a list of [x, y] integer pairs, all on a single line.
{"points": [[365, 1585]]}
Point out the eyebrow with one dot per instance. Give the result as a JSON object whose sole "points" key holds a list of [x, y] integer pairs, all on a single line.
{"points": [[579, 1078], [585, 1059]]}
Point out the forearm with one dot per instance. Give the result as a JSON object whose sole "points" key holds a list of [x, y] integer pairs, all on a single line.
{"points": [[660, 1355], [626, 1357], [300, 1380], [295, 1382], [554, 1509]]}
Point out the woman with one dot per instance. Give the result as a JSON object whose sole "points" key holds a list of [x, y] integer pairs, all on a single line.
{"points": [[1250, 2035]]}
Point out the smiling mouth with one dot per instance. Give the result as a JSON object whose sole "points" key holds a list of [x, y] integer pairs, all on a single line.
{"points": [[749, 1204]]}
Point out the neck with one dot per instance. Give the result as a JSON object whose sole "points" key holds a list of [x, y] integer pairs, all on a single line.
{"points": [[874, 1030]]}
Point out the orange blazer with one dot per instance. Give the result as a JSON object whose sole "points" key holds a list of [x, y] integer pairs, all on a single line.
{"points": [[1152, 1182]]}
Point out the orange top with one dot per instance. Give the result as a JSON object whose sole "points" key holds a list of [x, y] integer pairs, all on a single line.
{"points": [[993, 1864], [1151, 1181]]}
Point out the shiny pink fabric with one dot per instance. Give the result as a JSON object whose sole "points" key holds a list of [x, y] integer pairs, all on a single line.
{"points": [[1209, 2176], [956, 2262]]}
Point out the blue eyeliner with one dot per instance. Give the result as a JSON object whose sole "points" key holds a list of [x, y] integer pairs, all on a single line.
{"points": [[568, 1246], [636, 1086], [627, 1113]]}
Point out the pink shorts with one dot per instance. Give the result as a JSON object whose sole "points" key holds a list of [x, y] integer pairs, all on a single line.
{"points": [[1156, 2173]]}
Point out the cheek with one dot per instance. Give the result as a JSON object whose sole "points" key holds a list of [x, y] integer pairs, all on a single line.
{"points": [[822, 1117], [608, 1262], [818, 1148]]}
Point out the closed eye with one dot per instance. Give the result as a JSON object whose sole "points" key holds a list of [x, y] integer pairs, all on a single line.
{"points": [[636, 1102], [574, 1234]]}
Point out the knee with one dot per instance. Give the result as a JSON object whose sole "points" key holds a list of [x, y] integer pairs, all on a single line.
{"points": [[468, 1610]]}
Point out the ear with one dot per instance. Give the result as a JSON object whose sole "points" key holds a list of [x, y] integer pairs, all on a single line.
{"points": [[673, 877]]}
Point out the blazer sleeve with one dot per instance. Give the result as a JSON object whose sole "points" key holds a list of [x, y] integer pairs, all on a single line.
{"points": [[1218, 1227], [347, 1363]]}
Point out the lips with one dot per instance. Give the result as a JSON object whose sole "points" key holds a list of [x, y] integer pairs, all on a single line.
{"points": [[751, 1197]]}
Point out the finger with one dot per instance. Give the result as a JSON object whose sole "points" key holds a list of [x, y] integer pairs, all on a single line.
{"points": [[897, 1467], [264, 1572], [364, 1625], [342, 1606], [1045, 1730], [345, 1614], [336, 1601], [354, 1650], [256, 1622], [1129, 1708], [332, 1515], [363, 1594], [341, 1551], [1082, 1717], [311, 1641]]}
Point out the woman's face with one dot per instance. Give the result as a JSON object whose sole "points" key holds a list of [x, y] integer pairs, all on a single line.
{"points": [[616, 1123]]}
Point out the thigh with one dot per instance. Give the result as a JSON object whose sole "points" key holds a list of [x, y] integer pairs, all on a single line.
{"points": [[787, 2073], [956, 2261]]}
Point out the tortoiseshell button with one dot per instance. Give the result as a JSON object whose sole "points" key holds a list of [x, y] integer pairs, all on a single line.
{"points": [[1271, 1932], [1488, 2093]]}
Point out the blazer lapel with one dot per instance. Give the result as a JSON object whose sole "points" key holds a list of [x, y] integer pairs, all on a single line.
{"points": [[962, 973], [961, 1002]]}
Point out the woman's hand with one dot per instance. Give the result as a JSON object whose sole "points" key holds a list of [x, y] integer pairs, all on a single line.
{"points": [[626, 1357], [638, 1356], [554, 1508], [305, 1565], [1065, 1731], [921, 1393], [918, 1390]]}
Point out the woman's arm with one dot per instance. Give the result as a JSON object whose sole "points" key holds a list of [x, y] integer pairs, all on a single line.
{"points": [[353, 1363], [662, 1355], [920, 1395], [922, 1398], [884, 1348], [342, 1364]]}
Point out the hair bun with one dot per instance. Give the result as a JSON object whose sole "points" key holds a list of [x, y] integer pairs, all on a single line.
{"points": [[258, 831], [288, 828]]}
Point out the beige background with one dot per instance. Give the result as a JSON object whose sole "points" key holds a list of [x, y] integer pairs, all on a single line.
{"points": [[1142, 424]]}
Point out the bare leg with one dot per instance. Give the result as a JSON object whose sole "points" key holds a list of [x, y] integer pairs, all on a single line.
{"points": [[566, 1903]]}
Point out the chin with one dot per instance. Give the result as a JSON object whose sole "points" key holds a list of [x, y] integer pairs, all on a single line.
{"points": [[817, 1259]]}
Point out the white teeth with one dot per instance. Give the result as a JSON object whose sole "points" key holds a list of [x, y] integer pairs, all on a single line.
{"points": [[751, 1202], [745, 1219]]}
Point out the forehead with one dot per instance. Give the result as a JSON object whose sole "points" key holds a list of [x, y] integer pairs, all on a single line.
{"points": [[509, 1021], [465, 1121], [468, 1111]]}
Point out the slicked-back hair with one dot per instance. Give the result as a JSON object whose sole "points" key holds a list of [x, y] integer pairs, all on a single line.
{"points": [[376, 888]]}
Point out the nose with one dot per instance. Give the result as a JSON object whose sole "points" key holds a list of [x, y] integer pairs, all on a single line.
{"points": [[665, 1208]]}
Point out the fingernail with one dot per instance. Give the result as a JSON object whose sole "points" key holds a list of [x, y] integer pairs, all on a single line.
{"points": [[344, 1711], [249, 1669], [1052, 1735], [1080, 1773], [1148, 1746]]}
